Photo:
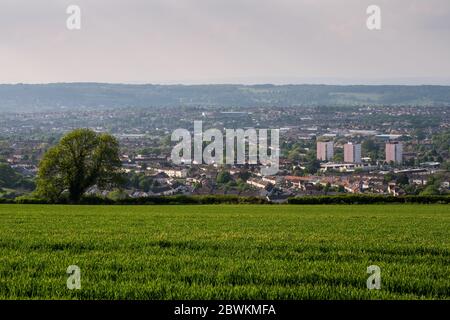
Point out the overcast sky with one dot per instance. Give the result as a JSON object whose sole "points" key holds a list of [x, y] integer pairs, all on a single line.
{"points": [[218, 41]]}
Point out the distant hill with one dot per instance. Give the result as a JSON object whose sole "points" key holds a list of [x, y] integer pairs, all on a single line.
{"points": [[33, 97]]}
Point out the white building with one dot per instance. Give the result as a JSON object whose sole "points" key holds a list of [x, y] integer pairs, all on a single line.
{"points": [[346, 167], [258, 183], [173, 173]]}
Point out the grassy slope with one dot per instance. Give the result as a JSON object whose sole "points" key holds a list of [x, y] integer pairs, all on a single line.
{"points": [[184, 252]]}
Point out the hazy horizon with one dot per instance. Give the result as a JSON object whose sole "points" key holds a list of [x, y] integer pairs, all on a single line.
{"points": [[246, 82]]}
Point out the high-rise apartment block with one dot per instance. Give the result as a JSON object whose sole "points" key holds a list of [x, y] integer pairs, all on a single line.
{"points": [[352, 153], [325, 150], [394, 152]]}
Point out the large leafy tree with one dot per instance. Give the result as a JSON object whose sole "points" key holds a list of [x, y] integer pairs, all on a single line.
{"points": [[82, 159]]}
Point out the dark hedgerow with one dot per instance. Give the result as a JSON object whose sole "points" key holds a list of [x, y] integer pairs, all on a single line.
{"points": [[30, 200], [155, 200], [233, 199]]}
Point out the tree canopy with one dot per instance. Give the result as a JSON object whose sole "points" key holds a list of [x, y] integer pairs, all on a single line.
{"points": [[9, 178], [82, 159], [223, 177]]}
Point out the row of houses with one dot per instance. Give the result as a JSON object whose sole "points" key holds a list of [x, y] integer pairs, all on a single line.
{"points": [[368, 183]]}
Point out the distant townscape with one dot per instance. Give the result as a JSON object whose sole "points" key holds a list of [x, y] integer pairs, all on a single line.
{"points": [[324, 149]]}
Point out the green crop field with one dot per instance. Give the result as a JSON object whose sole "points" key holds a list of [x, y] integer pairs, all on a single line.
{"points": [[225, 251]]}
